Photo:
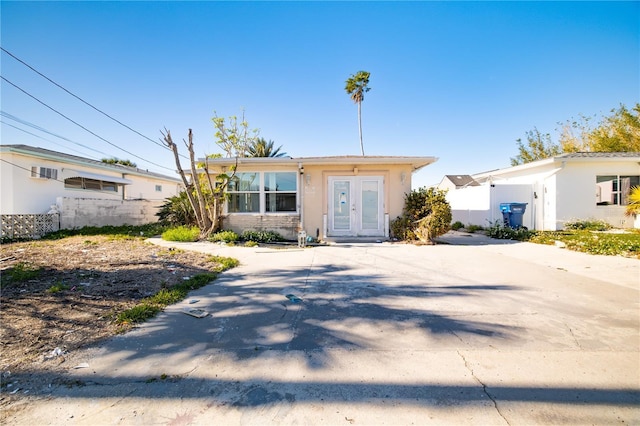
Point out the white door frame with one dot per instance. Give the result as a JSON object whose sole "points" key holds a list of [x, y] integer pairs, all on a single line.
{"points": [[354, 209]]}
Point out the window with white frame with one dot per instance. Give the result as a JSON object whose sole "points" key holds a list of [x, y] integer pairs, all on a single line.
{"points": [[244, 193], [614, 190], [263, 192], [44, 172], [280, 191], [158, 188]]}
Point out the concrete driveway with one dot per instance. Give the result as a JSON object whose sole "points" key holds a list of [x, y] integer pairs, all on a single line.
{"points": [[474, 332]]}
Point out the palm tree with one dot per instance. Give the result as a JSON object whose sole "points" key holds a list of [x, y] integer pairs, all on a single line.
{"points": [[356, 87], [633, 208], [261, 148]]}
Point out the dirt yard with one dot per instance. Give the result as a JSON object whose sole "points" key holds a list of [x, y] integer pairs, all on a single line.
{"points": [[58, 296]]}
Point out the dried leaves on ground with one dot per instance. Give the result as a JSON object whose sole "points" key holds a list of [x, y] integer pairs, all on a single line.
{"points": [[66, 293]]}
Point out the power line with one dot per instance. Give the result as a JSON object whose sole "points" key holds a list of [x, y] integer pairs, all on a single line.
{"points": [[80, 99], [81, 126], [55, 143], [29, 170]]}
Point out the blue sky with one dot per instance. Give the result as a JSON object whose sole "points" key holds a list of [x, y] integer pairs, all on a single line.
{"points": [[457, 80]]}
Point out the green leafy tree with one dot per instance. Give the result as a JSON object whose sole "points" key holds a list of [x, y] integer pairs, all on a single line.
{"points": [[261, 148], [538, 146], [114, 160], [233, 136], [425, 216], [618, 132], [356, 86]]}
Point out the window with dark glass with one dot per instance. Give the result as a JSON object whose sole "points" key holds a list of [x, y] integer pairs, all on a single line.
{"points": [[266, 192], [280, 189], [90, 184], [244, 193]]}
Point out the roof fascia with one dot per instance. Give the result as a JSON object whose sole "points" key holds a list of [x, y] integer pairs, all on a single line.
{"points": [[416, 162], [97, 165]]}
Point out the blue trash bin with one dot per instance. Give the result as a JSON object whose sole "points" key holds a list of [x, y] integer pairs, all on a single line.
{"points": [[512, 214]]}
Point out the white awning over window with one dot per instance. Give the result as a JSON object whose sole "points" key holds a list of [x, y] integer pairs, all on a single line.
{"points": [[96, 176]]}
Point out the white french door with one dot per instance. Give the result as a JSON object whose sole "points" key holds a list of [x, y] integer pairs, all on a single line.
{"points": [[356, 206]]}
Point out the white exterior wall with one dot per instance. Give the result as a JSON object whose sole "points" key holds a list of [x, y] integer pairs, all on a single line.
{"points": [[565, 191], [22, 194], [145, 188], [576, 193], [480, 205], [471, 205]]}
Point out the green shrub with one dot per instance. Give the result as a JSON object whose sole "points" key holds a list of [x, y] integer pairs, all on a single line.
{"points": [[587, 225], [182, 233], [250, 244], [457, 225], [224, 263], [226, 236], [474, 228], [261, 236], [426, 215], [138, 313], [177, 210], [123, 231], [612, 244], [499, 231]]}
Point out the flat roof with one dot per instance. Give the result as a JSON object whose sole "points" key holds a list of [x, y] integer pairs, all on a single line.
{"points": [[416, 162]]}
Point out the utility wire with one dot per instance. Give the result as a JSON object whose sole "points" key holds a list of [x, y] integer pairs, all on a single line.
{"points": [[81, 126], [80, 99], [24, 168], [50, 141]]}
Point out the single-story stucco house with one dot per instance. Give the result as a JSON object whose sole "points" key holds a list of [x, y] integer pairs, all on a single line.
{"points": [[85, 192], [326, 197], [557, 190]]}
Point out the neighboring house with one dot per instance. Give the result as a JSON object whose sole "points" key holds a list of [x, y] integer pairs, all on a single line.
{"points": [[35, 179], [557, 190], [457, 182], [327, 197]]}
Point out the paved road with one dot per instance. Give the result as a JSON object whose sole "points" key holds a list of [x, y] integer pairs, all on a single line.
{"points": [[472, 332]]}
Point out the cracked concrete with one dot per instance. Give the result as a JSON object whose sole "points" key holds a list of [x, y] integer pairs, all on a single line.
{"points": [[382, 334]]}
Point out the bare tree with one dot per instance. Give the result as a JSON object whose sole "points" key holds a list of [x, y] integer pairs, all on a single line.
{"points": [[206, 196]]}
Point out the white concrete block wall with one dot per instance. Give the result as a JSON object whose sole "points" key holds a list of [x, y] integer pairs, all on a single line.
{"points": [[80, 212]]}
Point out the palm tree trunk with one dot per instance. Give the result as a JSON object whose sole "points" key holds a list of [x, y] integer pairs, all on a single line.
{"points": [[360, 126]]}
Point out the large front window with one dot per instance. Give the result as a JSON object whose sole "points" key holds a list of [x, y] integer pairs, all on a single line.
{"points": [[266, 192], [614, 190], [280, 192], [244, 193]]}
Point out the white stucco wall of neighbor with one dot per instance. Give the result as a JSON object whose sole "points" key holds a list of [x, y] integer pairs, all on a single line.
{"points": [[480, 205], [558, 191], [577, 194]]}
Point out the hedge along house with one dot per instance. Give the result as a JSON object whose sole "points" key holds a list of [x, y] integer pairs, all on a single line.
{"points": [[327, 197]]}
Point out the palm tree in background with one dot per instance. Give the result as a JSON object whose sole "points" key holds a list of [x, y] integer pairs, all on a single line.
{"points": [[356, 86], [261, 148]]}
